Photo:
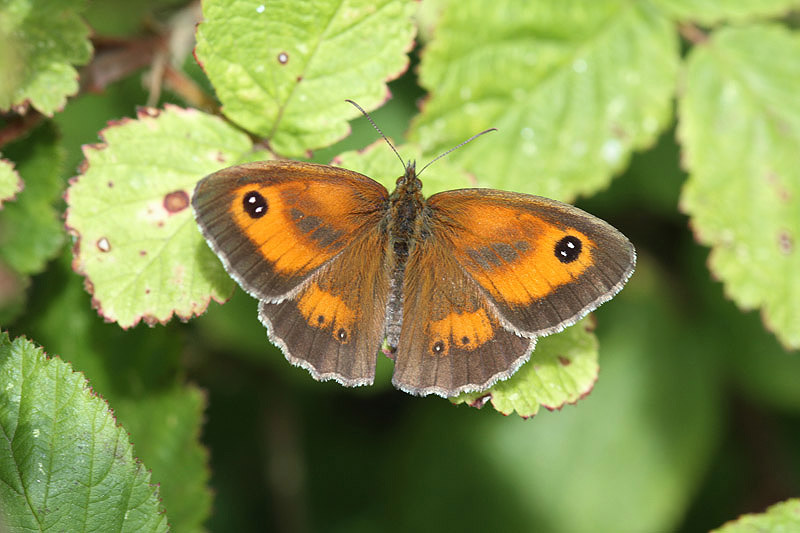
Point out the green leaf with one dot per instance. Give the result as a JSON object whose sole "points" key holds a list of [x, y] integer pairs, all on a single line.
{"points": [[42, 41], [782, 517], [712, 11], [31, 231], [740, 127], [138, 373], [137, 242], [64, 462], [562, 369], [573, 87], [283, 69], [10, 182]]}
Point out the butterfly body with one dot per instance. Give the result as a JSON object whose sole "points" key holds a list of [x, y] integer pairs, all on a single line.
{"points": [[459, 285]]}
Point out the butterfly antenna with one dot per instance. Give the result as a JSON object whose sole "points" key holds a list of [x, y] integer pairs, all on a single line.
{"points": [[377, 129], [438, 157]]}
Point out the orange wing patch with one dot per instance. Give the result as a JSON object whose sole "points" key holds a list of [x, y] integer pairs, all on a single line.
{"points": [[267, 223], [322, 309], [517, 256], [296, 233], [467, 330], [521, 272]]}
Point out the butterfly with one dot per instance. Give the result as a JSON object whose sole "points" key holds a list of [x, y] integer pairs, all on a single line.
{"points": [[457, 287]]}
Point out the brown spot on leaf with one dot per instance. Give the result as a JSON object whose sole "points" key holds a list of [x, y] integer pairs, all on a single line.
{"points": [[785, 242], [565, 361], [103, 245], [481, 401], [774, 181], [176, 201], [110, 184], [142, 252]]}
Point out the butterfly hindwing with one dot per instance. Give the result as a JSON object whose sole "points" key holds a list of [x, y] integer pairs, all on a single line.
{"points": [[335, 324], [451, 339]]}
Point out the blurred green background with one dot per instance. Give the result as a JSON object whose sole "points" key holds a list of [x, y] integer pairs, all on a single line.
{"points": [[694, 420]]}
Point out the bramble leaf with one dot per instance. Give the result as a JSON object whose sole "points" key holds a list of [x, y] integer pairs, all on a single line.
{"points": [[10, 182], [137, 241], [42, 40], [283, 69], [31, 232], [740, 127], [64, 462], [562, 369], [572, 87], [138, 373], [784, 516]]}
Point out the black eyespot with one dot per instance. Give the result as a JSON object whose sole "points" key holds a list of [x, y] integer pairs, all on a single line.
{"points": [[438, 347], [320, 319], [465, 340], [568, 249], [255, 204], [341, 334]]}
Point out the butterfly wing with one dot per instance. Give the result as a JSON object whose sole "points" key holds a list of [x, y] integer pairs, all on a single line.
{"points": [[274, 223], [499, 269], [452, 339], [306, 241], [335, 325], [542, 263]]}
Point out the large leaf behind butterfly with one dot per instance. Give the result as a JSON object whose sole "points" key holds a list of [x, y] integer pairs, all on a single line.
{"points": [[583, 84], [279, 68], [743, 192]]}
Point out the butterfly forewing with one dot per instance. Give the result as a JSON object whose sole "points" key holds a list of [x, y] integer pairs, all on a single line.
{"points": [[542, 263], [274, 223]]}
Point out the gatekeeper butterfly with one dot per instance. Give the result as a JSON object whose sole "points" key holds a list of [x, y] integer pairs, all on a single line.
{"points": [[458, 286]]}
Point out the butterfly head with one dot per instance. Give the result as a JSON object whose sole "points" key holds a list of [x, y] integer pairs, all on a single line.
{"points": [[409, 180]]}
